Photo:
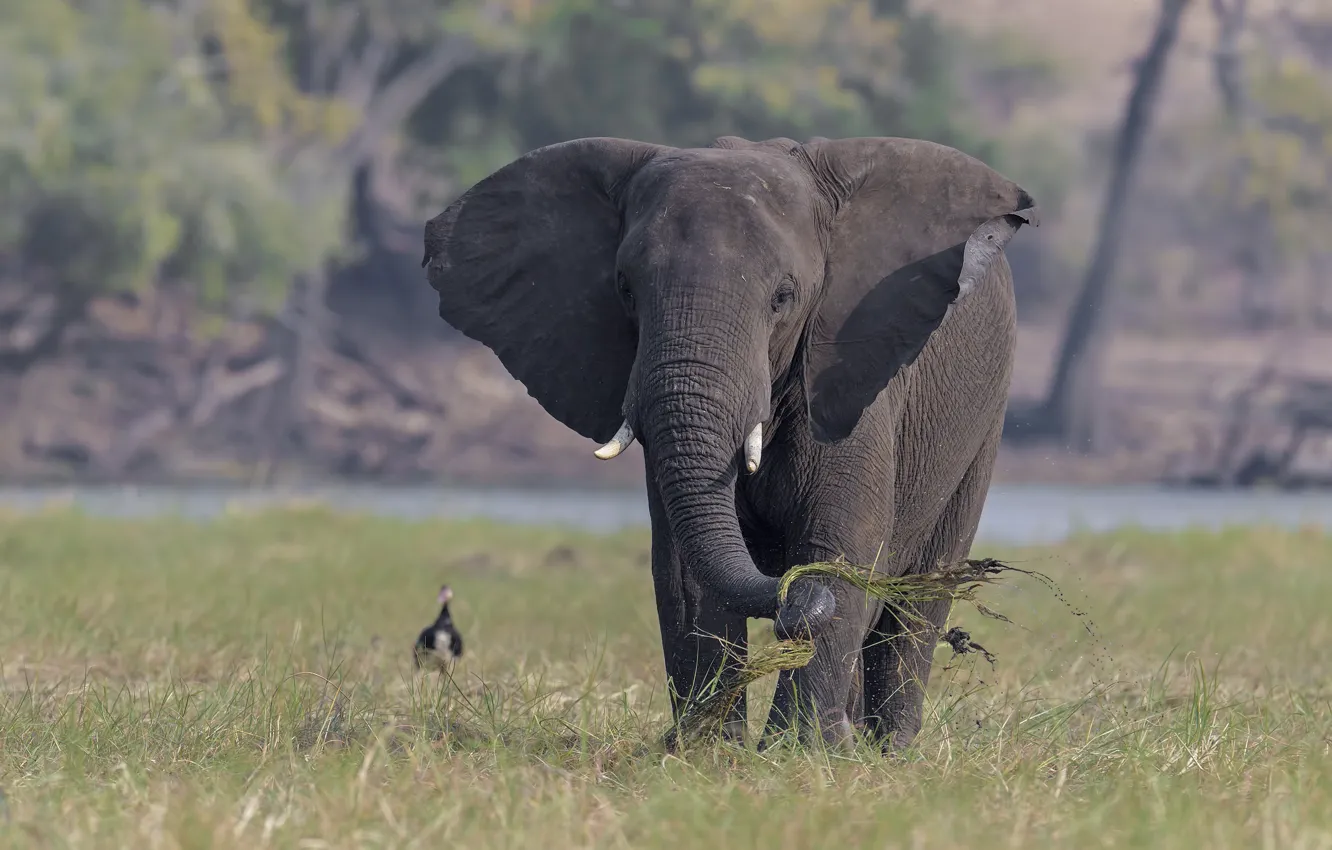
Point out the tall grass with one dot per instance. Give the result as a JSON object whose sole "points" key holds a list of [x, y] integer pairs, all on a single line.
{"points": [[248, 683]]}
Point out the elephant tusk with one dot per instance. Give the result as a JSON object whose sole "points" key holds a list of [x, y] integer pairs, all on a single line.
{"points": [[618, 443], [754, 448]]}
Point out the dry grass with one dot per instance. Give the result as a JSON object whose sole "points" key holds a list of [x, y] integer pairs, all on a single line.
{"points": [[708, 711], [904, 594], [247, 683]]}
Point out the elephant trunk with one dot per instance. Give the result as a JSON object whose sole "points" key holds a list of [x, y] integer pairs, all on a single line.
{"points": [[693, 459], [694, 418]]}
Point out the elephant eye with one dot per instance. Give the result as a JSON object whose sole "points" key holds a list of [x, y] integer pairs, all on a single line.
{"points": [[783, 297], [626, 294]]}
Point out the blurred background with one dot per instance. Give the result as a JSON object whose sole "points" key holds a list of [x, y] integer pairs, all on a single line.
{"points": [[211, 216]]}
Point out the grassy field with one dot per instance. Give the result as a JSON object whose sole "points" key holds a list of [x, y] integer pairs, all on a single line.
{"points": [[247, 683]]}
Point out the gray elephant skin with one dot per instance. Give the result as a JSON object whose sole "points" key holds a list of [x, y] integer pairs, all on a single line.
{"points": [[813, 344]]}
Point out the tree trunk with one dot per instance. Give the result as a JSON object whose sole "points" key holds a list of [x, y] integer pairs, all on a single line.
{"points": [[386, 76], [1070, 407], [304, 324], [1250, 255], [1226, 65]]}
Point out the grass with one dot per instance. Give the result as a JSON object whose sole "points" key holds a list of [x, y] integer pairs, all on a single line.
{"points": [[957, 582], [247, 683]]}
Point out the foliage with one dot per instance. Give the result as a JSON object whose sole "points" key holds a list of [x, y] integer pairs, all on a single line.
{"points": [[1003, 72], [685, 74], [904, 595], [126, 158], [213, 144], [1288, 173], [1248, 196]]}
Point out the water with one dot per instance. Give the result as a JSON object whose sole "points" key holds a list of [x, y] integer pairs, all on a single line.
{"points": [[1013, 514]]}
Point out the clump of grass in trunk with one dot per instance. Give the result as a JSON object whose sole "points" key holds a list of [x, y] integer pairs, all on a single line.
{"points": [[904, 594], [707, 712], [959, 581]]}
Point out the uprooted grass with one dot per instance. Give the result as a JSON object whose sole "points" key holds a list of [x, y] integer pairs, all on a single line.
{"points": [[247, 683], [710, 707], [905, 594]]}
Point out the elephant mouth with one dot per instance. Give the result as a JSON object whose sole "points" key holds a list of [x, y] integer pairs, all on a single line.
{"points": [[624, 438]]}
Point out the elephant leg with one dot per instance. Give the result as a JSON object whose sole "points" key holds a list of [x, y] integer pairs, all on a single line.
{"points": [[826, 694], [898, 656], [846, 501], [822, 695], [898, 659], [695, 633]]}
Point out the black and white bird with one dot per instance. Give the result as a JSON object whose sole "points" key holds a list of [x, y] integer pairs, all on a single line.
{"points": [[440, 643]]}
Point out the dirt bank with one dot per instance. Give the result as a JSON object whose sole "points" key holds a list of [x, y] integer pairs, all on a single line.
{"points": [[139, 391]]}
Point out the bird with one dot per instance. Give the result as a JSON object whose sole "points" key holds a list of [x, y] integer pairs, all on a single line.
{"points": [[440, 643]]}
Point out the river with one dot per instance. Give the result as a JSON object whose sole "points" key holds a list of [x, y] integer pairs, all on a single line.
{"points": [[1013, 514]]}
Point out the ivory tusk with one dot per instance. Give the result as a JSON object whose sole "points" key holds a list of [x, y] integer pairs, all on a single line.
{"points": [[754, 448], [618, 443]]}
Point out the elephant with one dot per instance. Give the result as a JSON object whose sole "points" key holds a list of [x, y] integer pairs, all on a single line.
{"points": [[813, 345]]}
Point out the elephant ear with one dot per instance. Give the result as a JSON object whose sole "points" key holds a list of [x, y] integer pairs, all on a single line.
{"points": [[524, 262], [917, 226]]}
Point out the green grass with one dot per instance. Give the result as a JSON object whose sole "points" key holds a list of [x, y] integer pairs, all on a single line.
{"points": [[247, 683]]}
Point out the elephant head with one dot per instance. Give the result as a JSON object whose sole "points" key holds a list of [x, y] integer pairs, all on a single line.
{"points": [[658, 293]]}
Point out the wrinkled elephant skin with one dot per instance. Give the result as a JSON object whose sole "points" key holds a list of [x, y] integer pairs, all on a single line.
{"points": [[813, 344]]}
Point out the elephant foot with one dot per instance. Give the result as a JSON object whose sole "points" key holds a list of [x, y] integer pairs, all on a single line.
{"points": [[899, 742], [892, 742], [833, 731], [837, 732], [670, 741], [732, 732]]}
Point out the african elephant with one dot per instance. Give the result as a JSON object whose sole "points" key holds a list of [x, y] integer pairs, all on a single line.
{"points": [[812, 342]]}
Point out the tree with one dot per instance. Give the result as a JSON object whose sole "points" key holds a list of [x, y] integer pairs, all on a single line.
{"points": [[375, 65], [659, 70], [272, 157], [1261, 168], [1227, 66], [126, 163], [1069, 408], [383, 61], [684, 74]]}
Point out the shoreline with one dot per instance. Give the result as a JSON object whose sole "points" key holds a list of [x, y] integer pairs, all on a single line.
{"points": [[135, 395]]}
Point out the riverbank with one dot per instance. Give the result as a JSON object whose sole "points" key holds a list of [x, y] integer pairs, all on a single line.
{"points": [[142, 391]]}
